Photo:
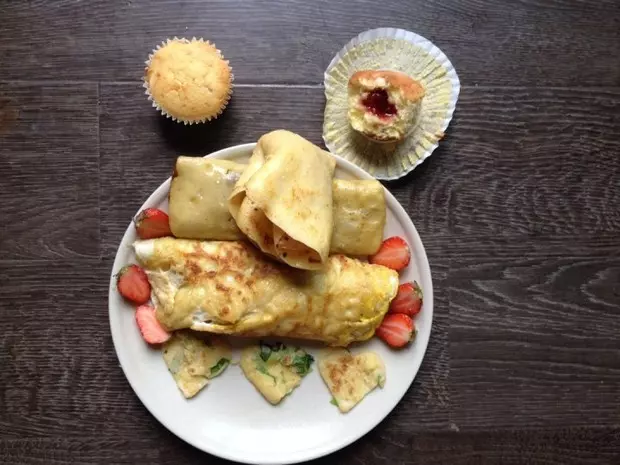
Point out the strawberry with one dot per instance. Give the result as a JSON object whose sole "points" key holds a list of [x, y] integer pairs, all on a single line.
{"points": [[396, 330], [133, 284], [393, 253], [152, 331], [151, 223], [408, 300]]}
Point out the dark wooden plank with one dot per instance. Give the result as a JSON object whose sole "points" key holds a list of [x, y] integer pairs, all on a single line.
{"points": [[522, 162], [49, 165], [60, 376], [574, 446], [534, 332], [561, 43]]}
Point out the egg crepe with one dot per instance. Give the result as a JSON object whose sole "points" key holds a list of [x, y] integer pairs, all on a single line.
{"points": [[275, 371], [359, 217], [350, 377], [283, 200], [197, 209], [231, 288], [193, 361], [198, 199]]}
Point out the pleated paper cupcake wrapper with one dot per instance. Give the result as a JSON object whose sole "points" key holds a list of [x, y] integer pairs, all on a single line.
{"points": [[161, 109], [397, 50]]}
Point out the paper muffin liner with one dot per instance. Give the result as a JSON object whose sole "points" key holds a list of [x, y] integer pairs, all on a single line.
{"points": [[147, 91], [396, 50]]}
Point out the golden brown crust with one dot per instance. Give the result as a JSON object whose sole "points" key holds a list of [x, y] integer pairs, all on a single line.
{"points": [[411, 89], [189, 80]]}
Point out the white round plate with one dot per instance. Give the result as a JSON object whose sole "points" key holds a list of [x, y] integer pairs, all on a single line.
{"points": [[229, 418]]}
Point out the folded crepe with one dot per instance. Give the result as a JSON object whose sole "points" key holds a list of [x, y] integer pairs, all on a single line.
{"points": [[198, 210], [198, 198], [359, 217], [231, 288], [283, 200]]}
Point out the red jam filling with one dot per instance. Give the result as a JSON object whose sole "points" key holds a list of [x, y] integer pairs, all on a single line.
{"points": [[378, 103]]}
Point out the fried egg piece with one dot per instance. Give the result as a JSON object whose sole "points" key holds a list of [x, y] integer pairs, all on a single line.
{"points": [[350, 377], [275, 370], [193, 361]]}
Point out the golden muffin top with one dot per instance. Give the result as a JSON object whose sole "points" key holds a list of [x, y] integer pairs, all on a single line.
{"points": [[394, 81], [189, 80]]}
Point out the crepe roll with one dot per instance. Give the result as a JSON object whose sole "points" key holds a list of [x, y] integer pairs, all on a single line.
{"points": [[359, 217], [358, 207], [229, 287], [283, 201], [198, 199]]}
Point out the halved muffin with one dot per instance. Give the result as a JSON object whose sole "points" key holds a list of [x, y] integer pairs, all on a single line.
{"points": [[384, 105]]}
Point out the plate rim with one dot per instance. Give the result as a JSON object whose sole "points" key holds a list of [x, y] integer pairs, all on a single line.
{"points": [[304, 454]]}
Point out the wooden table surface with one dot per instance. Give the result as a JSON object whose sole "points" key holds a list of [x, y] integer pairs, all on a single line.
{"points": [[519, 211]]}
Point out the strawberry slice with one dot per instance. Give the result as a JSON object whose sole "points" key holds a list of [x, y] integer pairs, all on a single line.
{"points": [[396, 330], [133, 284], [408, 300], [152, 331], [393, 253], [151, 223]]}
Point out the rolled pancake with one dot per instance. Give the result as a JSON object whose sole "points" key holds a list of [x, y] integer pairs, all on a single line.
{"points": [[283, 200], [198, 199], [358, 207], [359, 217], [231, 288]]}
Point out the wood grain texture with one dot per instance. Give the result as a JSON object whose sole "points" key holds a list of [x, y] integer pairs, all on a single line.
{"points": [[560, 43], [60, 376], [525, 162], [49, 166], [566, 446], [534, 332]]}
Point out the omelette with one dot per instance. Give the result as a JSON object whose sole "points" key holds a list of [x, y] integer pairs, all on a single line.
{"points": [[275, 370], [198, 206], [231, 288], [350, 377], [283, 200], [193, 361]]}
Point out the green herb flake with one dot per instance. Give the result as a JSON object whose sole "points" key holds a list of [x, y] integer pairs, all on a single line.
{"points": [[265, 352], [301, 363], [334, 401], [219, 366], [263, 369]]}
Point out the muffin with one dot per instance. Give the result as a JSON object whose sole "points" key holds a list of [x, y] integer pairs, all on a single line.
{"points": [[188, 80], [383, 105]]}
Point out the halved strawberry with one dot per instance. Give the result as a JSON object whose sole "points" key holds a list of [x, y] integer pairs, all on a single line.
{"points": [[393, 253], [133, 284], [152, 331], [151, 223], [408, 300], [396, 330]]}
